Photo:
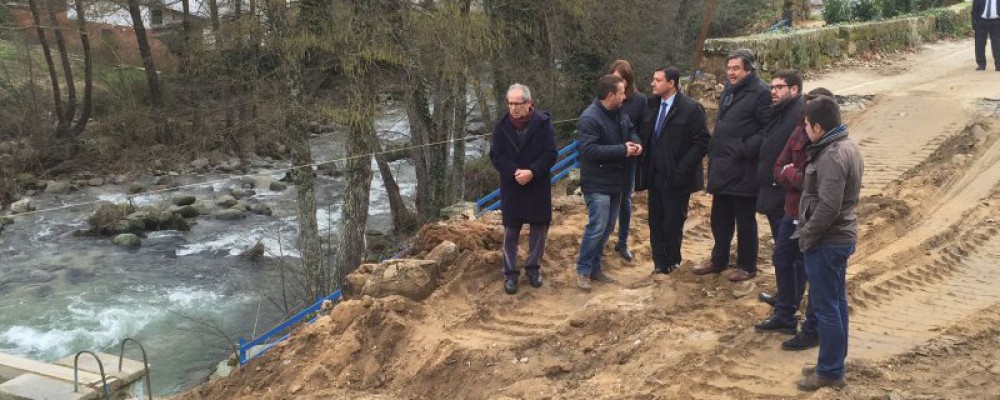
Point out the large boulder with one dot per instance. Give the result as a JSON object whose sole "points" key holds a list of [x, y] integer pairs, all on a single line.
{"points": [[277, 186], [21, 206], [105, 220], [226, 201], [158, 219], [127, 240], [408, 278], [188, 211], [181, 201], [58, 187], [444, 254], [261, 209], [463, 210]]}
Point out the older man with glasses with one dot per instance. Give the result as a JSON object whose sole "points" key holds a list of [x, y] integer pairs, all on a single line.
{"points": [[523, 151]]}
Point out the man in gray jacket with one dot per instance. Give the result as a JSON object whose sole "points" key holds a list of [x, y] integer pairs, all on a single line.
{"points": [[827, 233]]}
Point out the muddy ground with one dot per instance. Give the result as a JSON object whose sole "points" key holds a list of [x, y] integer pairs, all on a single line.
{"points": [[924, 288]]}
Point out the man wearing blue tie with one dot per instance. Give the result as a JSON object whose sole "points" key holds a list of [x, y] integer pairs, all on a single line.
{"points": [[676, 140], [986, 24]]}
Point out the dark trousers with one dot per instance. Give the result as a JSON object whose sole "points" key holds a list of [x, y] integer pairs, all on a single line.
{"points": [[826, 266], [625, 212], [667, 213], [987, 29], [789, 272], [729, 214], [536, 248]]}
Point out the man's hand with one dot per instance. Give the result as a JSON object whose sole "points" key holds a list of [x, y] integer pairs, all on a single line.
{"points": [[632, 149], [523, 176]]}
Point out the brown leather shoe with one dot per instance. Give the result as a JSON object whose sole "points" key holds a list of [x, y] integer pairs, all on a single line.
{"points": [[814, 382], [741, 275], [707, 268]]}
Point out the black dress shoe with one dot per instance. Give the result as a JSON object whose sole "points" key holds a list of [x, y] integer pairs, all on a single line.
{"points": [[665, 270], [510, 285], [768, 298], [626, 255], [981, 68], [775, 325], [801, 341], [535, 280]]}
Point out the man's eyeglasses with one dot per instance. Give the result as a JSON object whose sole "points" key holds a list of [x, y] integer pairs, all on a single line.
{"points": [[777, 88]]}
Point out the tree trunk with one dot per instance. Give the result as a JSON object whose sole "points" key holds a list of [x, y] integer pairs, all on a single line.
{"points": [[63, 130], [482, 101], [700, 45], [354, 214], [317, 277], [456, 190], [152, 79], [88, 77], [420, 121], [213, 15], [402, 219], [47, 52]]}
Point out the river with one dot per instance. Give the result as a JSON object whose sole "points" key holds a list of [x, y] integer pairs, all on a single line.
{"points": [[61, 293]]}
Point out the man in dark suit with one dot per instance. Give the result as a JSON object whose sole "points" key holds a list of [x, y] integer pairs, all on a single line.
{"points": [[986, 24], [676, 140]]}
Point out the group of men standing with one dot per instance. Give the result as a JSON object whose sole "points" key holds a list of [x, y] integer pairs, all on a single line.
{"points": [[774, 151]]}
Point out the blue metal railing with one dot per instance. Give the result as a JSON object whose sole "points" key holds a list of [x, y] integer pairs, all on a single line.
{"points": [[264, 340], [568, 160]]}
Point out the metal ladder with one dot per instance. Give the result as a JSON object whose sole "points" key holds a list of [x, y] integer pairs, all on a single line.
{"points": [[76, 373], [145, 363]]}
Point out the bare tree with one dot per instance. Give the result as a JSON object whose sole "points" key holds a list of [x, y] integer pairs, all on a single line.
{"points": [[152, 78]]}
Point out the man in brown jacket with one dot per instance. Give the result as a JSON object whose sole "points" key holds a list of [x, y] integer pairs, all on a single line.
{"points": [[827, 233]]}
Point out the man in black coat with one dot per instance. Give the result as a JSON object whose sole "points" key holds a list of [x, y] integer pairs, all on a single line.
{"points": [[786, 115], [732, 166], [523, 151], [676, 139], [607, 142], [986, 24]]}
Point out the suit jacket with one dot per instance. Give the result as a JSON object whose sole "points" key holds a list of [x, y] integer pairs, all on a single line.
{"points": [[674, 160]]}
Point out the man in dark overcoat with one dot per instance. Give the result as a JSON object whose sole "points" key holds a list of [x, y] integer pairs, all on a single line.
{"points": [[523, 151]]}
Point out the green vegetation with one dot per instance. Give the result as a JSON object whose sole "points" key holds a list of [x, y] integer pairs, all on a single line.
{"points": [[840, 11]]}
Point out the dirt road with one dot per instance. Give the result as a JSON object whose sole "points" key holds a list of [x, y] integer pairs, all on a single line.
{"points": [[924, 287]]}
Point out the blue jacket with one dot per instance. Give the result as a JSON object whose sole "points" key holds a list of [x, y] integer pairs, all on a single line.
{"points": [[602, 134], [536, 150]]}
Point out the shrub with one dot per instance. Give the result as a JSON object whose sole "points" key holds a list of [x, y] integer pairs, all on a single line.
{"points": [[836, 11], [865, 10]]}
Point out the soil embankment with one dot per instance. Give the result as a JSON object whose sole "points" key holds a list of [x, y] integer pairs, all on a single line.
{"points": [[924, 292]]}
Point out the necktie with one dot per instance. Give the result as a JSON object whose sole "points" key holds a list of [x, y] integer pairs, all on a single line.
{"points": [[990, 11], [659, 119]]}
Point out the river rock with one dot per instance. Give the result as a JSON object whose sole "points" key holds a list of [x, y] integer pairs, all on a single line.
{"points": [[329, 169], [261, 209], [188, 211], [240, 206], [200, 163], [239, 194], [230, 215], [181, 201], [226, 201], [407, 278], [157, 219], [58, 187], [95, 181], [255, 252], [21, 206], [277, 186], [127, 240], [135, 187], [127, 225], [261, 182]]}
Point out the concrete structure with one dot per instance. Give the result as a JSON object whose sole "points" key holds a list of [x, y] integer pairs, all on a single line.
{"points": [[25, 379]]}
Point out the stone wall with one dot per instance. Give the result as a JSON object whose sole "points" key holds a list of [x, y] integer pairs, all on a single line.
{"points": [[815, 48]]}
